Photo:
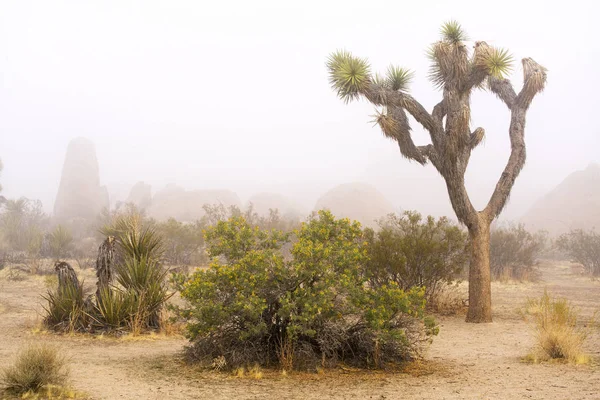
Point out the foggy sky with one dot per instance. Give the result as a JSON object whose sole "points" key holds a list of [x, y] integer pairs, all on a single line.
{"points": [[235, 95]]}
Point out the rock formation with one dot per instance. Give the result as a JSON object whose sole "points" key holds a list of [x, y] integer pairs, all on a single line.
{"points": [[573, 204], [80, 195], [357, 201], [140, 195], [187, 206]]}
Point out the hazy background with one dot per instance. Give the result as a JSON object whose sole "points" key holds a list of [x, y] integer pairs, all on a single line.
{"points": [[235, 94]]}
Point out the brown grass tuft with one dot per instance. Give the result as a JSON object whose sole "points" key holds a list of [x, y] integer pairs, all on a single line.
{"points": [[558, 337]]}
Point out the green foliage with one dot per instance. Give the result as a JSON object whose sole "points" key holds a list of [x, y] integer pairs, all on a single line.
{"points": [[583, 247], [348, 75], [412, 252], [35, 367], [557, 335], [66, 310], [499, 63], [398, 78], [514, 252], [256, 305], [60, 242], [21, 223], [183, 243], [140, 243], [452, 32]]}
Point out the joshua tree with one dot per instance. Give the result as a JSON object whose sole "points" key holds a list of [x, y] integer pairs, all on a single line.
{"points": [[458, 72]]}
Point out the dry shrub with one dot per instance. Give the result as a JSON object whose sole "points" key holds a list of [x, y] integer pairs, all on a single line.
{"points": [[36, 367], [558, 337], [449, 300], [514, 252]]}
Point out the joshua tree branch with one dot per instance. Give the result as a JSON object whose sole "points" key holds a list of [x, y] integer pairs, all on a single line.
{"points": [[379, 95], [534, 82], [503, 89]]}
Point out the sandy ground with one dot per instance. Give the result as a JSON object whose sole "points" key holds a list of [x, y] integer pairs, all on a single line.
{"points": [[466, 361]]}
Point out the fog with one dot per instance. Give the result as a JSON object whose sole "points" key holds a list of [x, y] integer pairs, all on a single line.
{"points": [[234, 95]]}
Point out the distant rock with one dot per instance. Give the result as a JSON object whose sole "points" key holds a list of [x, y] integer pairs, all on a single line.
{"points": [[80, 194], [262, 202], [186, 206], [357, 201], [573, 204], [140, 195]]}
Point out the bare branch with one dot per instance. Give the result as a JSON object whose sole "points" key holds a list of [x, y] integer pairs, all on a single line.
{"points": [[503, 89], [515, 164]]}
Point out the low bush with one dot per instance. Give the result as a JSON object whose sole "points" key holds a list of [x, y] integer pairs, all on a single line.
{"points": [[36, 367], [583, 247], [557, 335], [514, 252], [412, 252], [313, 308]]}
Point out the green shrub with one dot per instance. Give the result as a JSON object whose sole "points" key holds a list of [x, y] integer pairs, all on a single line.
{"points": [[36, 367], [583, 247], [315, 307], [66, 310], [60, 242], [556, 332], [413, 252], [514, 252]]}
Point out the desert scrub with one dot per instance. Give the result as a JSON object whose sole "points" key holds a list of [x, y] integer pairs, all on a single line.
{"points": [[557, 335], [36, 367], [311, 308]]}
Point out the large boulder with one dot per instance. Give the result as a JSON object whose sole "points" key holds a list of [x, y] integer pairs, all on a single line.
{"points": [[187, 205], [140, 195], [357, 201], [573, 204], [80, 195]]}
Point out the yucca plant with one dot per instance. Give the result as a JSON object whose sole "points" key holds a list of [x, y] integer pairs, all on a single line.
{"points": [[145, 280], [65, 309], [458, 72], [114, 309]]}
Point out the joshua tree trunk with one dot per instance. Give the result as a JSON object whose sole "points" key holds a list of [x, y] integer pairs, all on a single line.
{"points": [[458, 73], [480, 288]]}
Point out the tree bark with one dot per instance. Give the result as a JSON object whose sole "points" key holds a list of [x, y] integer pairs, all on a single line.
{"points": [[480, 287]]}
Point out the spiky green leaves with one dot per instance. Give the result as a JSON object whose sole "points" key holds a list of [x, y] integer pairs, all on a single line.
{"points": [[348, 75], [452, 32], [499, 63], [398, 78]]}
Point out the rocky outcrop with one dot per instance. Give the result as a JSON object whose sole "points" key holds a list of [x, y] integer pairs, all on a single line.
{"points": [[80, 195], [187, 206], [573, 204], [357, 201], [140, 195]]}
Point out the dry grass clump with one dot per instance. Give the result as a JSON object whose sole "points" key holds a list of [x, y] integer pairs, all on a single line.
{"points": [[449, 300], [558, 337], [37, 369]]}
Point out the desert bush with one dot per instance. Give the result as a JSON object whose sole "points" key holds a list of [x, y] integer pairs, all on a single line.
{"points": [[60, 242], [413, 252], [556, 332], [583, 247], [514, 252], [21, 223], [183, 243], [36, 367], [256, 306]]}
